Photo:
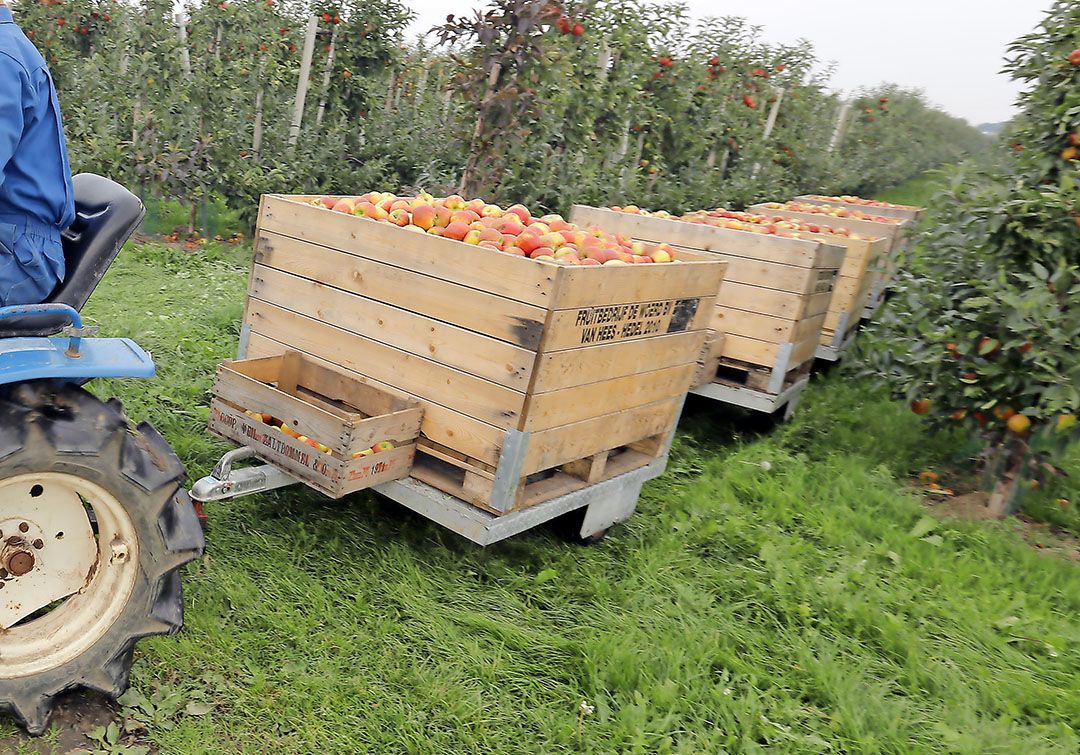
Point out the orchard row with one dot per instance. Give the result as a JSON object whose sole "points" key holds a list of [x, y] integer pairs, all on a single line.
{"points": [[539, 103]]}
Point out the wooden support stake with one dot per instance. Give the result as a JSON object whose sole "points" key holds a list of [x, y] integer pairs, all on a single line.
{"points": [[841, 125], [257, 136], [302, 84], [185, 55], [326, 78]]}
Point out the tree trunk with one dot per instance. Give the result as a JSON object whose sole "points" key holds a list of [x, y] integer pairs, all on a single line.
{"points": [[1003, 476]]}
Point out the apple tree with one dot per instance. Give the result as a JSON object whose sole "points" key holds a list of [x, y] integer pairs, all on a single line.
{"points": [[983, 329]]}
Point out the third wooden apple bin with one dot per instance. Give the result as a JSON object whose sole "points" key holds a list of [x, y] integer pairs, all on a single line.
{"points": [[885, 209], [536, 379], [770, 308], [896, 235]]}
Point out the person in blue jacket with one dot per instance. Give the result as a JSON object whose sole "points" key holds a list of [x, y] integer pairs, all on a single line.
{"points": [[36, 196]]}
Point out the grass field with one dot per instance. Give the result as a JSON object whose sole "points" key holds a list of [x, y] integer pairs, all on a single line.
{"points": [[811, 607]]}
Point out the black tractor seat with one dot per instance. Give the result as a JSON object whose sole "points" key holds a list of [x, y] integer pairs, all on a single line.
{"points": [[106, 214]]}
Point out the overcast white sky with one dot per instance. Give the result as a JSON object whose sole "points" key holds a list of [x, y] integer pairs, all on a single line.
{"points": [[951, 49]]}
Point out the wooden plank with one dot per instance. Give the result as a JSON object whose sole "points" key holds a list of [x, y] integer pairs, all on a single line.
{"points": [[614, 323], [415, 375], [744, 349], [571, 367], [470, 352], [756, 246], [818, 304], [504, 318], [552, 448], [497, 273], [763, 300], [442, 425], [351, 390], [590, 469], [312, 421], [765, 274], [581, 286], [805, 349], [582, 402], [755, 325]]}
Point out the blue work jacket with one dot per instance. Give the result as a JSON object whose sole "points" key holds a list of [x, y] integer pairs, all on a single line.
{"points": [[36, 196]]}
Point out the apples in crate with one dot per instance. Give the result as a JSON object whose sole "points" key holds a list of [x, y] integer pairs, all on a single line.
{"points": [[512, 230]]}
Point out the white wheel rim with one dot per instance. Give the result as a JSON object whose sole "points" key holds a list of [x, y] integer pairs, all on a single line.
{"points": [[95, 575]]}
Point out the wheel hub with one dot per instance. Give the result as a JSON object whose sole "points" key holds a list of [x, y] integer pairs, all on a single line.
{"points": [[19, 563]]}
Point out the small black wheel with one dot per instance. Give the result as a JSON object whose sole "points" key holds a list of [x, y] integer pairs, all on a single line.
{"points": [[94, 529], [594, 538]]}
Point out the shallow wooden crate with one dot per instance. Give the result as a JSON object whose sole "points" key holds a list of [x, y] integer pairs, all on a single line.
{"points": [[904, 212], [536, 379], [341, 412], [772, 304]]}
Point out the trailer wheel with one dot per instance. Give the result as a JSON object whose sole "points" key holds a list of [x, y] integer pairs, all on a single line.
{"points": [[94, 528]]}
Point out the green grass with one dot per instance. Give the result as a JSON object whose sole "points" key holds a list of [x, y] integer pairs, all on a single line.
{"points": [[918, 191], [813, 607]]}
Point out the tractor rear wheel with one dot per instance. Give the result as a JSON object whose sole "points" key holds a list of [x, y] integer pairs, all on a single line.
{"points": [[94, 528]]}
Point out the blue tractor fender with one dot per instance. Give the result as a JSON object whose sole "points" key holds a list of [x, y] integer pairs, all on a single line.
{"points": [[70, 356]]}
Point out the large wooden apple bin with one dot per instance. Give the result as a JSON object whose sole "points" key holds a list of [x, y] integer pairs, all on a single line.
{"points": [[896, 236], [902, 211], [536, 379], [772, 304]]}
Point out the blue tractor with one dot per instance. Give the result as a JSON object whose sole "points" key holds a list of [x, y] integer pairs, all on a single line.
{"points": [[95, 523]]}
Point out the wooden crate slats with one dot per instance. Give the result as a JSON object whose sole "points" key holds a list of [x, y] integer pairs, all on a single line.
{"points": [[418, 376], [580, 287], [500, 274], [506, 319], [552, 448], [577, 403], [471, 352], [764, 274], [568, 368]]}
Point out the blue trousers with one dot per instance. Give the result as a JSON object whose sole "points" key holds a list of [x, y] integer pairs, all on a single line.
{"points": [[31, 260]]}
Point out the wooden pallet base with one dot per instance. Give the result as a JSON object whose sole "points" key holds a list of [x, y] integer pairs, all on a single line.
{"points": [[474, 482], [606, 503], [758, 401], [754, 377]]}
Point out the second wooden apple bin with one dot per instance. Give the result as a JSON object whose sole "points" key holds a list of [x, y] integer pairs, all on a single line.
{"points": [[535, 379], [770, 308]]}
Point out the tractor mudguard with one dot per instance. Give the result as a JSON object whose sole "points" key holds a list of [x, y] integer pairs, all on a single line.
{"points": [[70, 356]]}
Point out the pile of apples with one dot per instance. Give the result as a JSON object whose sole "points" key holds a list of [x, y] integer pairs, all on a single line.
{"points": [[849, 199], [747, 221], [513, 230], [280, 426], [835, 212]]}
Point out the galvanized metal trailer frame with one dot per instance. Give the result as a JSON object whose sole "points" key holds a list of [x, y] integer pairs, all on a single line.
{"points": [[606, 503]]}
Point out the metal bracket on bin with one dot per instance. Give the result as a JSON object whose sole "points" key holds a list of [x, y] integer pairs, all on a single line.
{"points": [[840, 342]]}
